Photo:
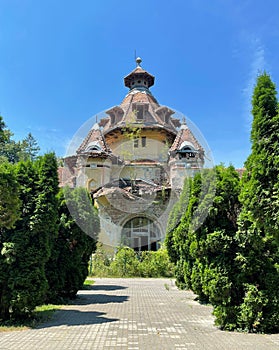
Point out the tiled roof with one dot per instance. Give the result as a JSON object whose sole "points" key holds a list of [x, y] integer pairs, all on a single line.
{"points": [[139, 96], [185, 134], [94, 138], [139, 73], [153, 114]]}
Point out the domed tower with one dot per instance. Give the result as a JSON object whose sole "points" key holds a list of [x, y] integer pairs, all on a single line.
{"points": [[139, 130]]}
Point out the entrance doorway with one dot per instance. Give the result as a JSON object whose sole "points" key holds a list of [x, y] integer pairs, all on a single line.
{"points": [[141, 233]]}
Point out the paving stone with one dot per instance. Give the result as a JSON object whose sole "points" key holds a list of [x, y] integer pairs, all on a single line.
{"points": [[134, 314]]}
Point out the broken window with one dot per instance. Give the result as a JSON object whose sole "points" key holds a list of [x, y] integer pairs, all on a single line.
{"points": [[136, 143], [143, 141], [140, 110]]}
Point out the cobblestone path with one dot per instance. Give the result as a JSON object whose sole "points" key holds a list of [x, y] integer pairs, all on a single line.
{"points": [[134, 314]]}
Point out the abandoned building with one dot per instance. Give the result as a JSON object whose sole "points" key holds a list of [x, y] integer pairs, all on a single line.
{"points": [[134, 162]]}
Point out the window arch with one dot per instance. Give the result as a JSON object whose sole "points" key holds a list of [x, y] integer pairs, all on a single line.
{"points": [[93, 146], [141, 233]]}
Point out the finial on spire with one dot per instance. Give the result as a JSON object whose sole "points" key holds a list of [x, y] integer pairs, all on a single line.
{"points": [[183, 124], [138, 61]]}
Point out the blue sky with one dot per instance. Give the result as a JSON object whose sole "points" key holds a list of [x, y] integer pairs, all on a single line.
{"points": [[63, 61]]}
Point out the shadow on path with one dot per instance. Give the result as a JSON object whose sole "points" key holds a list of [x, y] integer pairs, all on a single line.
{"points": [[107, 287], [85, 299], [76, 318]]}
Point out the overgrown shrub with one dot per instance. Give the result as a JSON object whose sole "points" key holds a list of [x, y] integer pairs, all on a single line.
{"points": [[128, 263], [156, 264], [67, 267]]}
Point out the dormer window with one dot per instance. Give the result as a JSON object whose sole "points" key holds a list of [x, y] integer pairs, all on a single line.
{"points": [[187, 150], [112, 119], [140, 110], [164, 114], [93, 147], [115, 114]]}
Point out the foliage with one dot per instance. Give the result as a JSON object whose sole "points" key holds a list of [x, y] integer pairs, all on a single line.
{"points": [[232, 259], [133, 128], [257, 237], [67, 268], [260, 181], [9, 200], [100, 262], [125, 263], [43, 251], [155, 264], [14, 151], [42, 313], [204, 251], [128, 263], [26, 247], [132, 132], [29, 148]]}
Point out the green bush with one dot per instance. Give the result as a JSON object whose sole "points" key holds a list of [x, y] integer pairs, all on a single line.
{"points": [[100, 262], [125, 263], [156, 264], [128, 263], [251, 309]]}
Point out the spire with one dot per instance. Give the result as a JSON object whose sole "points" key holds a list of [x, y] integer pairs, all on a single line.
{"points": [[183, 124]]}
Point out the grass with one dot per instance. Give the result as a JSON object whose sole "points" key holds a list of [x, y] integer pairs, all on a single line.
{"points": [[88, 283], [41, 314], [167, 286]]}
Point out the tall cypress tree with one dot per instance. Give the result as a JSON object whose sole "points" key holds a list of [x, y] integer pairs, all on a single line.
{"points": [[9, 214], [205, 245], [9, 191], [27, 247], [257, 238], [67, 267]]}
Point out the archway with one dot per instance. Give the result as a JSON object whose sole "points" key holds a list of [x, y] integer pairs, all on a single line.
{"points": [[141, 233]]}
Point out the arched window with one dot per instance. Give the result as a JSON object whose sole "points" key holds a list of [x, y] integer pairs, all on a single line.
{"points": [[187, 150], [93, 146], [141, 233]]}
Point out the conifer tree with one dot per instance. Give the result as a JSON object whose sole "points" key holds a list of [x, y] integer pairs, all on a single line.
{"points": [[206, 246], [29, 148], [9, 191], [27, 246], [68, 265], [257, 238], [14, 151]]}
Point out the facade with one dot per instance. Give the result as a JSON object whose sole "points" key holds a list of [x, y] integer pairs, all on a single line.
{"points": [[134, 162]]}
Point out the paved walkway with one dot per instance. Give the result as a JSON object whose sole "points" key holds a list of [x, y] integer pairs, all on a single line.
{"points": [[134, 314]]}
